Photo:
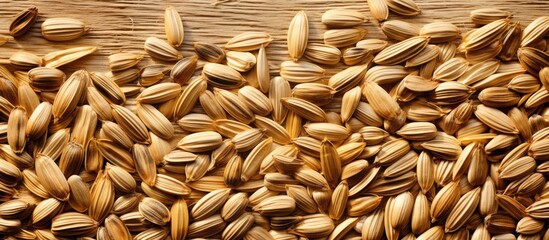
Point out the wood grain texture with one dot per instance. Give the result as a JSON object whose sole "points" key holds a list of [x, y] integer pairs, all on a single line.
{"points": [[124, 25]]}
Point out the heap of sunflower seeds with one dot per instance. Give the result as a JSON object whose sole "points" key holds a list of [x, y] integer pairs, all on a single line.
{"points": [[430, 134]]}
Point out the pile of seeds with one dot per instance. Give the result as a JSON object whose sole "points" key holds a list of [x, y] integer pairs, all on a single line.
{"points": [[430, 134]]}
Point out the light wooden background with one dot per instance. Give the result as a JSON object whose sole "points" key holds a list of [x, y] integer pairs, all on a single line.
{"points": [[125, 24]]}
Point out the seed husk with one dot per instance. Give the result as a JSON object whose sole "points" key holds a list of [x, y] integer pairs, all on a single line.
{"points": [[342, 18], [484, 36], [401, 51], [173, 26], [249, 41], [404, 7], [161, 50], [344, 37], [23, 21], [399, 30], [487, 15], [69, 94], [379, 9], [73, 224], [304, 109], [313, 226], [154, 211], [298, 35], [535, 31], [62, 57], [533, 60], [63, 29], [52, 178], [17, 124], [131, 124], [301, 71], [233, 105]]}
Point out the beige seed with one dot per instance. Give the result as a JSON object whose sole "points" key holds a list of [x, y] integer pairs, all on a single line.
{"points": [[234, 105], [252, 163], [255, 100], [401, 51], [79, 198], [17, 124], [313, 226], [102, 197], [249, 41], [535, 31], [342, 18], [183, 70], [63, 29], [173, 26], [25, 60], [322, 54], [345, 80], [52, 178], [511, 41], [273, 129], [339, 200], [533, 60], [238, 228], [344, 37], [399, 30], [381, 102], [188, 98], [404, 7], [301, 72], [230, 128], [131, 124], [212, 108], [179, 220], [379, 9], [155, 121], [200, 142], [488, 15], [463, 210], [420, 220], [207, 227], [495, 119], [161, 50], [154, 211], [62, 57], [440, 32], [69, 94], [23, 21], [72, 225], [210, 203], [263, 71], [280, 88], [298, 35], [304, 109], [428, 55], [484, 36], [124, 60], [241, 61]]}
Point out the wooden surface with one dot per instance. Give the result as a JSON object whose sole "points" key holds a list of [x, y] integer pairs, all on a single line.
{"points": [[124, 25]]}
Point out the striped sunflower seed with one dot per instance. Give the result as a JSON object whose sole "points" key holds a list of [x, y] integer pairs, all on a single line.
{"points": [[322, 54], [344, 37], [379, 9], [63, 29], [173, 26], [23, 21], [401, 51], [161, 50], [249, 41], [298, 35]]}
